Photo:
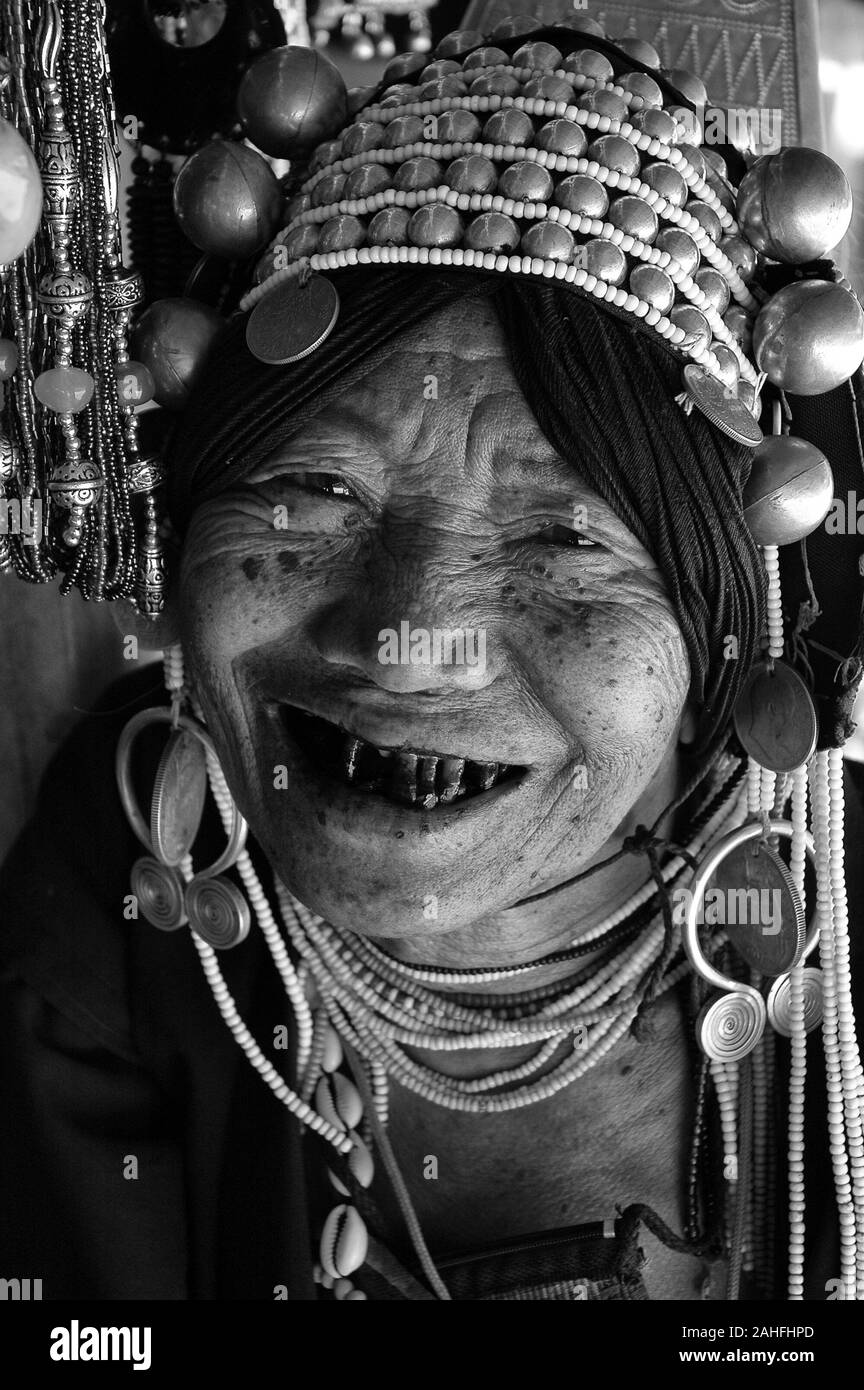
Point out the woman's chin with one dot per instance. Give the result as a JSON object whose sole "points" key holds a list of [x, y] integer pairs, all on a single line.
{"points": [[375, 908]]}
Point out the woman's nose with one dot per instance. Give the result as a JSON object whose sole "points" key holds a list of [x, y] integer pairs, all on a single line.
{"points": [[410, 629]]}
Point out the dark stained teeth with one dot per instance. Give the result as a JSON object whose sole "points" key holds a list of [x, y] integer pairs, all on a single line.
{"points": [[403, 781], [483, 775], [421, 780], [426, 782], [449, 776]]}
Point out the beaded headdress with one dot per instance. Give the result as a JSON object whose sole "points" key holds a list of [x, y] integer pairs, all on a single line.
{"points": [[553, 154]]}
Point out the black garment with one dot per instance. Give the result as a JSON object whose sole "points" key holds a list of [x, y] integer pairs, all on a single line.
{"points": [[113, 1053], [111, 1048]]}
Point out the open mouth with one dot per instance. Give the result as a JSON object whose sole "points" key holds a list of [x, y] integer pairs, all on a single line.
{"points": [[411, 777]]}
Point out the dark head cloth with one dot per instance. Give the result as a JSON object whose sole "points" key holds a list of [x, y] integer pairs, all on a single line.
{"points": [[601, 390]]}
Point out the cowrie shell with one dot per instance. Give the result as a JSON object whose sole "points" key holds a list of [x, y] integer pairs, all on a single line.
{"points": [[331, 1057], [361, 1164], [344, 1242], [338, 1101]]}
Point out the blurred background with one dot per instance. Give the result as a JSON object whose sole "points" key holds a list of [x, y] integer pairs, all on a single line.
{"points": [[58, 655]]}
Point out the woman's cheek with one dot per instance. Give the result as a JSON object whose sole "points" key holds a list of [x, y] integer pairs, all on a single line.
{"points": [[613, 674], [242, 584]]}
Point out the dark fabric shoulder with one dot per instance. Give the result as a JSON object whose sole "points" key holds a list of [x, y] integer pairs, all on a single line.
{"points": [[63, 884]]}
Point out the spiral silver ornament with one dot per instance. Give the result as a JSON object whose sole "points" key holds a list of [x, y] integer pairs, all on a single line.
{"points": [[732, 1025], [218, 912], [779, 998], [159, 892]]}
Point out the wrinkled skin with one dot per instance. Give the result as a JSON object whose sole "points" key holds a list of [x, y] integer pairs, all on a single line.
{"points": [[461, 516]]}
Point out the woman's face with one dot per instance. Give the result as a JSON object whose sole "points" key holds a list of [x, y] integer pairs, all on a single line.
{"points": [[425, 500]]}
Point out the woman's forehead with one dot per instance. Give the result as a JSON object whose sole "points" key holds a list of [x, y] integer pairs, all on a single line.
{"points": [[447, 377]]}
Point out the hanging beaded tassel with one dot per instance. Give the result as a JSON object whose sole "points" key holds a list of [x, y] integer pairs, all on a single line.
{"points": [[66, 306]]}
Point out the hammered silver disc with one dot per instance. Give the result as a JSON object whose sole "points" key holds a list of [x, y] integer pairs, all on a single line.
{"points": [[729, 414], [779, 997], [158, 890], [218, 912], [760, 908], [775, 717], [731, 1026], [179, 793], [292, 320]]}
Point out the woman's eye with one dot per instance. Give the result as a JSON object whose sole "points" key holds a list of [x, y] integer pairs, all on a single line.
{"points": [[557, 534], [330, 484]]}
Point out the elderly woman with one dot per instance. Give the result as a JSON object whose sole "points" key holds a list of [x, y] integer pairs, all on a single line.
{"points": [[464, 601]]}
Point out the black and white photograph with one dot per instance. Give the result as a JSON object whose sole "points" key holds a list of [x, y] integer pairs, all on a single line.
{"points": [[431, 632]]}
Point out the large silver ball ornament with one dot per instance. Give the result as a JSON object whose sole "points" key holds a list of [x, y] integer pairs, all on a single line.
{"points": [[173, 338], [789, 491], [228, 200], [794, 205], [21, 208], [290, 100], [809, 337]]}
